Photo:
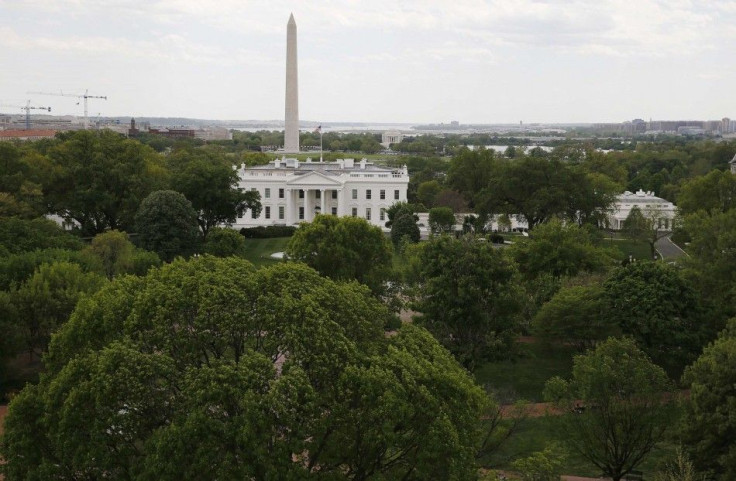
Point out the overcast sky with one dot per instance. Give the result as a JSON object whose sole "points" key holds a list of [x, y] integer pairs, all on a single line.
{"points": [[376, 60]]}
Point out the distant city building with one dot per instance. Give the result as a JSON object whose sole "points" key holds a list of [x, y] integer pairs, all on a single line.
{"points": [[31, 134], [391, 137], [172, 133], [652, 207], [213, 133], [293, 192]]}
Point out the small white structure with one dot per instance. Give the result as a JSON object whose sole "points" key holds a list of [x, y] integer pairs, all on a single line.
{"points": [[733, 165], [391, 137], [293, 191], [652, 207]]}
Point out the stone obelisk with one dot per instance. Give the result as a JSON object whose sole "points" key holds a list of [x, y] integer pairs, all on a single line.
{"points": [[291, 130]]}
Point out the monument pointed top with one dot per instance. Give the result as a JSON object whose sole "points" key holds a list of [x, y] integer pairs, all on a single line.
{"points": [[291, 19]]}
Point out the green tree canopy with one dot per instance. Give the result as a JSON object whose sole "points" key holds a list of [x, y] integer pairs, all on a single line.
{"points": [[621, 412], [343, 249], [20, 235], [712, 193], [224, 242], [405, 226], [210, 183], [427, 192], [166, 223], [468, 298], [561, 249], [208, 368], [100, 178], [709, 423], [654, 303], [441, 220]]}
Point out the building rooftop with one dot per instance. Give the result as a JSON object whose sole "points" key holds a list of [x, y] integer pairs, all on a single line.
{"points": [[640, 196], [327, 168]]}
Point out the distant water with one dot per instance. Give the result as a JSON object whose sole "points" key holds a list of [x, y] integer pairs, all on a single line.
{"points": [[405, 128], [502, 148]]}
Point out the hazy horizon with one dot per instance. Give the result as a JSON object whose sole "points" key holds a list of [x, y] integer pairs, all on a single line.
{"points": [[477, 62]]}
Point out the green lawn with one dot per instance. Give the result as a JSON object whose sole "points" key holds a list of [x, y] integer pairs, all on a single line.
{"points": [[524, 377], [259, 251], [637, 249], [533, 434]]}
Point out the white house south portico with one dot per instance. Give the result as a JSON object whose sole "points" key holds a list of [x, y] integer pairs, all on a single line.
{"points": [[293, 192]]}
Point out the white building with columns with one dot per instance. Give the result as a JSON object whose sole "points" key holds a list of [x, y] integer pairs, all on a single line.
{"points": [[293, 192], [652, 207]]}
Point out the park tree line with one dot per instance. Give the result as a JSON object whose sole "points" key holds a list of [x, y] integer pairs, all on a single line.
{"points": [[302, 370]]}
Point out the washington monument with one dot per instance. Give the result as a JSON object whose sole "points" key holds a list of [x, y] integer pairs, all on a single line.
{"points": [[291, 129]]}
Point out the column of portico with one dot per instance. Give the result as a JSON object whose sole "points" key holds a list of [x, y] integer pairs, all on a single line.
{"points": [[289, 207], [341, 202], [306, 202], [322, 201]]}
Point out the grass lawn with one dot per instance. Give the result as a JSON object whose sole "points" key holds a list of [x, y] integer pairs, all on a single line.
{"points": [[524, 377], [259, 251], [534, 434], [637, 249]]}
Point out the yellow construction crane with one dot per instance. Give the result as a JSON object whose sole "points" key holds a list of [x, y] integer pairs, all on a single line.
{"points": [[84, 96], [27, 107]]}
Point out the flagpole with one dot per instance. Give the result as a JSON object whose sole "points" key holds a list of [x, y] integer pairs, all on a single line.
{"points": [[320, 143]]}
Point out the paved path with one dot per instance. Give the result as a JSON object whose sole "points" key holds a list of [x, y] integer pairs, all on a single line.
{"points": [[668, 249]]}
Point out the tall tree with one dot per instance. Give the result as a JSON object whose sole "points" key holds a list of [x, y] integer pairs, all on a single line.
{"points": [[441, 220], [621, 396], [210, 183], [100, 179], [166, 223], [712, 193], [343, 249], [709, 424], [270, 374], [468, 298]]}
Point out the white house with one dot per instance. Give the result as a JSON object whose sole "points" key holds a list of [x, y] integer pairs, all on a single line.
{"points": [[293, 191], [651, 207]]}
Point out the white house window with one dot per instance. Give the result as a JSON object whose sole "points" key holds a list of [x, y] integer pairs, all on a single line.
{"points": [[368, 214], [253, 214], [334, 194], [396, 195], [281, 212], [383, 194], [301, 212], [355, 194], [383, 213], [281, 193], [368, 194], [318, 194], [334, 211], [267, 193], [268, 211], [355, 212], [301, 195]]}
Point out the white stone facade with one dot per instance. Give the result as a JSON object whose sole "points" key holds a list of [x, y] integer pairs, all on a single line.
{"points": [[293, 192], [391, 137], [652, 207]]}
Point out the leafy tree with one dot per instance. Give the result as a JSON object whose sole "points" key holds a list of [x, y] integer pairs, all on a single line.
{"points": [[100, 178], [441, 220], [713, 193], [405, 226], [712, 261], [575, 315], [343, 249], [427, 192], [452, 199], [543, 465], [115, 252], [224, 242], [709, 423], [560, 249], [16, 268], [538, 189], [679, 469], [270, 374], [618, 411], [468, 298], [167, 224], [471, 172], [45, 301], [645, 226], [209, 181], [398, 209], [654, 304], [19, 235]]}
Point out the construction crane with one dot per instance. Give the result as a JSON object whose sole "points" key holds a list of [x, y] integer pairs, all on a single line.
{"points": [[27, 107], [84, 96]]}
